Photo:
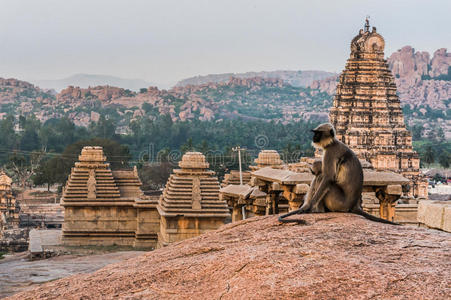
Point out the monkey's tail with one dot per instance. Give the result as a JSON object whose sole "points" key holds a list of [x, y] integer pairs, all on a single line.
{"points": [[294, 212], [359, 211]]}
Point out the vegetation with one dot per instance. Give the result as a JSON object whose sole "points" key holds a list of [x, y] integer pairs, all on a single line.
{"points": [[38, 153]]}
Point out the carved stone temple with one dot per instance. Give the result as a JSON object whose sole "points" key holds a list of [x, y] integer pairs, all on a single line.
{"points": [[190, 203], [9, 211], [367, 115], [104, 207]]}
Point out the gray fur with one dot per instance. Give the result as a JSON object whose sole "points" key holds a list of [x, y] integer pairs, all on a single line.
{"points": [[338, 187]]}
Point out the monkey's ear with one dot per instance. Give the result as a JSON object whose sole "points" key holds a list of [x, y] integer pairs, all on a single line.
{"points": [[332, 133]]}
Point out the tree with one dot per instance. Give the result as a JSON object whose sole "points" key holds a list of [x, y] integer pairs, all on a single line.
{"points": [[441, 135], [417, 131], [23, 167], [444, 159], [429, 155], [50, 172]]}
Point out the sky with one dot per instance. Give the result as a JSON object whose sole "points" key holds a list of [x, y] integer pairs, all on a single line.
{"points": [[168, 40]]}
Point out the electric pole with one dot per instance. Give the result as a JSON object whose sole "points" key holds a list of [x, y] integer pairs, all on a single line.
{"points": [[239, 149]]}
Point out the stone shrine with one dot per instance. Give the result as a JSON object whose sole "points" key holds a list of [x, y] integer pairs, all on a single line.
{"points": [[9, 210], [267, 158], [367, 114], [190, 203], [104, 207]]}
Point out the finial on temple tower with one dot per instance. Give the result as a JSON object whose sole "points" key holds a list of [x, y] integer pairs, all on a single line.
{"points": [[367, 23]]}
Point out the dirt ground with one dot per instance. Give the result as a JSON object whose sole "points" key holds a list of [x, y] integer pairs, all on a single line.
{"points": [[18, 274]]}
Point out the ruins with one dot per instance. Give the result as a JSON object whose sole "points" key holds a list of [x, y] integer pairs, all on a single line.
{"points": [[367, 114], [190, 203], [104, 207], [9, 209]]}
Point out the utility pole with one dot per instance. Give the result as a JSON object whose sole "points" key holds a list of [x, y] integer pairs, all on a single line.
{"points": [[239, 149]]}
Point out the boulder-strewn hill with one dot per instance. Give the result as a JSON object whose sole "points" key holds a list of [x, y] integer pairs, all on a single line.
{"points": [[87, 80], [248, 98], [424, 88], [333, 256], [294, 78]]}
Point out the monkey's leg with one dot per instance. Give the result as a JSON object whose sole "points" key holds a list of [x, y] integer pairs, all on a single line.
{"points": [[335, 199], [318, 207], [308, 205]]}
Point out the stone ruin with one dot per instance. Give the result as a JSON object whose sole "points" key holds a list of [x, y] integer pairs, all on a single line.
{"points": [[9, 209], [104, 207], [279, 189], [190, 203], [12, 238], [367, 114]]}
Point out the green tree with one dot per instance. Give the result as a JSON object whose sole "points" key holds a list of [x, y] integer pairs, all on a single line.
{"points": [[444, 159], [441, 135], [429, 155]]}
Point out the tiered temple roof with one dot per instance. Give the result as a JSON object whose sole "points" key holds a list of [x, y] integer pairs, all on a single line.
{"points": [[367, 114], [193, 190], [91, 180], [267, 158]]}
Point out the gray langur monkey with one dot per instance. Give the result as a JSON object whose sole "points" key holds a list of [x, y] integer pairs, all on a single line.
{"points": [[338, 182]]}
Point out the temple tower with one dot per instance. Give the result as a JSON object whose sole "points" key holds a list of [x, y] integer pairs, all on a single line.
{"points": [[104, 207], [190, 203], [367, 115], [267, 158]]}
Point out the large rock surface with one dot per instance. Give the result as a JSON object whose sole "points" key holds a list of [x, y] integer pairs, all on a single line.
{"points": [[333, 256]]}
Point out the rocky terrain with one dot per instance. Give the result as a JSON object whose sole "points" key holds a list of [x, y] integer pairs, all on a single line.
{"points": [[424, 87], [87, 80], [294, 78], [332, 256], [19, 274]]}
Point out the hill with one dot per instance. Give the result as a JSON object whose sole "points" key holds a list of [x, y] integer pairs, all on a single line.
{"points": [[333, 256], [87, 80], [294, 78]]}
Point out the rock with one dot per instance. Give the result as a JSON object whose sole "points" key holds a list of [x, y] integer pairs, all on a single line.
{"points": [[440, 63], [333, 256]]}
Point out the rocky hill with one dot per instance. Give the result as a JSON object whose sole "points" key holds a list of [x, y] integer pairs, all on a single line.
{"points": [[248, 98], [424, 88], [87, 80], [333, 256], [294, 78], [424, 85]]}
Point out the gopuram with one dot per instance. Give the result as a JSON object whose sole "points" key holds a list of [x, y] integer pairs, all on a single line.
{"points": [[367, 114], [104, 207], [190, 204], [9, 210]]}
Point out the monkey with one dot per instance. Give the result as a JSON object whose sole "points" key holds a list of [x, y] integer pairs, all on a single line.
{"points": [[338, 182], [315, 170]]}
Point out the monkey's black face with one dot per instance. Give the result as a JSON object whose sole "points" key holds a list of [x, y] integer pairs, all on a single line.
{"points": [[317, 136]]}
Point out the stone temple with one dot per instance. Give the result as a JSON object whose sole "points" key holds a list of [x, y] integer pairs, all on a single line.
{"points": [[104, 207], [367, 114], [9, 210], [190, 204]]}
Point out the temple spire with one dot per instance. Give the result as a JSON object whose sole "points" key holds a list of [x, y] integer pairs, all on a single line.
{"points": [[367, 23]]}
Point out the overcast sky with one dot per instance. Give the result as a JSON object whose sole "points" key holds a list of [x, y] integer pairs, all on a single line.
{"points": [[165, 41]]}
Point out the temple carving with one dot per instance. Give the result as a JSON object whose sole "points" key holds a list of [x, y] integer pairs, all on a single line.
{"points": [[367, 114]]}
